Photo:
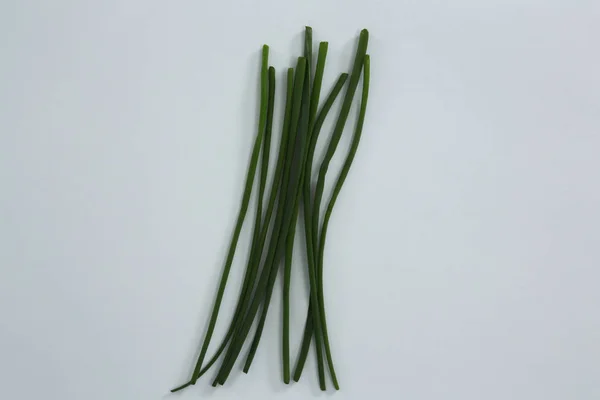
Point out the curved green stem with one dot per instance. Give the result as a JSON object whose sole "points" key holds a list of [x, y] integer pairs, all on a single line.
{"points": [[314, 102], [335, 138], [256, 249], [306, 122], [242, 213], [289, 244], [340, 182], [281, 226], [311, 251]]}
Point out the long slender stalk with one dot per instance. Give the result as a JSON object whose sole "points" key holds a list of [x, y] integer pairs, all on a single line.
{"points": [[257, 241], [277, 179], [347, 163], [296, 178], [268, 293], [256, 247], [264, 169], [311, 253], [287, 271], [307, 201], [293, 138], [335, 138], [302, 126], [242, 212], [267, 299], [281, 226], [271, 205]]}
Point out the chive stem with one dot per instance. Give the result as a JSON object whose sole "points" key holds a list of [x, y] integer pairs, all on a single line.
{"points": [[274, 191], [347, 163], [304, 125], [281, 226], [323, 47], [335, 138], [242, 213], [267, 298], [311, 252]]}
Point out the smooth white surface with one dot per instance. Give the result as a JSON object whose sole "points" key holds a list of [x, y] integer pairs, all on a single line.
{"points": [[463, 256]]}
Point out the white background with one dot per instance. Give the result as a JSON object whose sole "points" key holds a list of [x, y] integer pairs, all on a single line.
{"points": [[463, 255]]}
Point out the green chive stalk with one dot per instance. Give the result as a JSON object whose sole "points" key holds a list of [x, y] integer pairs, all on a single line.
{"points": [[281, 226], [287, 271], [272, 197], [311, 253], [348, 162], [242, 213], [314, 101], [269, 291], [335, 138]]}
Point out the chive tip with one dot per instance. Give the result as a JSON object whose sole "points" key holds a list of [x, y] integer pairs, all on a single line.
{"points": [[177, 389]]}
